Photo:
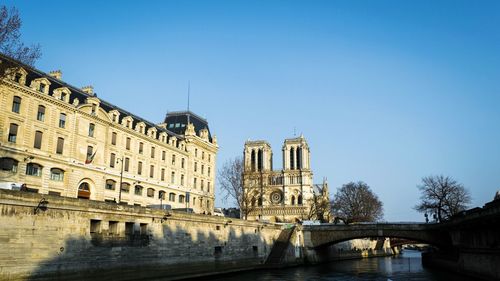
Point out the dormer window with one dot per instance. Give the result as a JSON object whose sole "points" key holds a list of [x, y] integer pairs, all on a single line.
{"points": [[63, 96], [17, 77], [42, 87]]}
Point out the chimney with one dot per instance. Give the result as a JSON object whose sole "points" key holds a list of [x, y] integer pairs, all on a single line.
{"points": [[56, 74], [88, 90]]}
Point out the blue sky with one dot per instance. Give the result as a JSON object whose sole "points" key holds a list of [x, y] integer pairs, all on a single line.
{"points": [[386, 92]]}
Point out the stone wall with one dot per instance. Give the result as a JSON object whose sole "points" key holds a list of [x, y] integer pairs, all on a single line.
{"points": [[69, 238]]}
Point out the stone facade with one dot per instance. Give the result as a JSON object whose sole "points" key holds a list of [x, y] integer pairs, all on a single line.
{"points": [[47, 237], [286, 195], [58, 139]]}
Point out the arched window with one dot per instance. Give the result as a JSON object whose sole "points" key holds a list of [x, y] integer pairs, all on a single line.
{"points": [[125, 187], [293, 200], [138, 190], [299, 158], [292, 158], [151, 192], [181, 198], [259, 160], [8, 164], [110, 184], [259, 202], [252, 160], [84, 190], [56, 174], [171, 197], [33, 169], [299, 200]]}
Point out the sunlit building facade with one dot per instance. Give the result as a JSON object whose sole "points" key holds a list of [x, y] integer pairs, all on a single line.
{"points": [[61, 140]]}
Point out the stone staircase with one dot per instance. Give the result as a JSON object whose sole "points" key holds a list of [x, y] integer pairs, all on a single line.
{"points": [[279, 248]]}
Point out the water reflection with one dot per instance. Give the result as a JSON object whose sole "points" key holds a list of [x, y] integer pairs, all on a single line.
{"points": [[407, 266]]}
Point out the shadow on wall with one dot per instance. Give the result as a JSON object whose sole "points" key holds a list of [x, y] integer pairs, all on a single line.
{"points": [[159, 250]]}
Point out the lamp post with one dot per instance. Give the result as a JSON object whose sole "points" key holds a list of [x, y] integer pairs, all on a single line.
{"points": [[121, 180]]}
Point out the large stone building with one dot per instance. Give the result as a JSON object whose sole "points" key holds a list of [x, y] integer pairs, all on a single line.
{"points": [[286, 195], [58, 139]]}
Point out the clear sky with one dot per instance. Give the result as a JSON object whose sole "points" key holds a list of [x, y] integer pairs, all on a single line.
{"points": [[386, 92]]}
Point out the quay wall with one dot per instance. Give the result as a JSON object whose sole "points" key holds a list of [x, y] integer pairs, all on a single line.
{"points": [[68, 238]]}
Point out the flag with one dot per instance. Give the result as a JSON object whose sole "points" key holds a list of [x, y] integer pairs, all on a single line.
{"points": [[90, 158]]}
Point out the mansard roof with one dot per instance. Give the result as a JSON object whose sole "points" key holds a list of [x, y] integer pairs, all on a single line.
{"points": [[177, 122], [77, 93]]}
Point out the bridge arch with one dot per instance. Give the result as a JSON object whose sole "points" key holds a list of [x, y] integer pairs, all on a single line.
{"points": [[320, 236]]}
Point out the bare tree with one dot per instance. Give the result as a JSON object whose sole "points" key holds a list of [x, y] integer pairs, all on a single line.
{"points": [[10, 41], [442, 196], [320, 206], [230, 178], [355, 202]]}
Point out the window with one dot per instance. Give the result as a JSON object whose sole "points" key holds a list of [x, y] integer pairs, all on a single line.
{"points": [[62, 120], [209, 157], [60, 145], [41, 87], [8, 164], [172, 178], [139, 168], [195, 166], [138, 190], [171, 197], [112, 160], [16, 104], [33, 169], [173, 160], [182, 163], [181, 198], [110, 184], [127, 160], [196, 152], [202, 184], [195, 180], [141, 147], [93, 109], [95, 226], [127, 144], [161, 195], [91, 129], [203, 155], [208, 171], [63, 96], [17, 77], [90, 151], [38, 140], [208, 186], [151, 171], [40, 116], [152, 152], [113, 138], [151, 192], [182, 180], [202, 169], [162, 174], [163, 155], [113, 227], [56, 174], [13, 132], [125, 187], [129, 228]]}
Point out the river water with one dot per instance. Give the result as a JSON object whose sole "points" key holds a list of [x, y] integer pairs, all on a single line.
{"points": [[406, 266]]}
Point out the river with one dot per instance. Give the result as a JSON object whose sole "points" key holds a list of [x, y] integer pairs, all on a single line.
{"points": [[406, 266]]}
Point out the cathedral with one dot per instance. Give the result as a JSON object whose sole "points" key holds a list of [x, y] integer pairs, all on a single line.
{"points": [[286, 195]]}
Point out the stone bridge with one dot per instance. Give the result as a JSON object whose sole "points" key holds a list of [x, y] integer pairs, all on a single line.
{"points": [[316, 236]]}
